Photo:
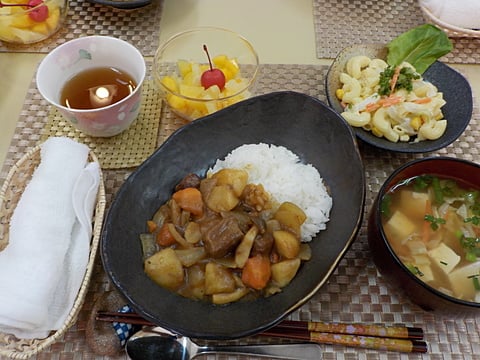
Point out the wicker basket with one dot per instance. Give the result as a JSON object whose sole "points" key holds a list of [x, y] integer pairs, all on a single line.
{"points": [[16, 181], [451, 30]]}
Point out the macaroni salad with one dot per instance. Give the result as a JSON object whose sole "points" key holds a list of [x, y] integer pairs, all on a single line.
{"points": [[400, 106]]}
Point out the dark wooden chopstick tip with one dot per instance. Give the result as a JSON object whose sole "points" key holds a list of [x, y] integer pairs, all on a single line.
{"points": [[415, 333], [419, 346]]}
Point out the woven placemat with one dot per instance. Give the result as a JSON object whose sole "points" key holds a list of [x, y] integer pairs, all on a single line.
{"points": [[140, 27], [340, 23], [354, 293], [128, 149]]}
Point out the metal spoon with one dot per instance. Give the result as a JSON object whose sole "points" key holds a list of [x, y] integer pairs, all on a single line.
{"points": [[161, 344]]}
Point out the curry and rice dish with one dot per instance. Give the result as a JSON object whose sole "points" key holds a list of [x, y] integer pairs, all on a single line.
{"points": [[433, 225], [227, 236]]}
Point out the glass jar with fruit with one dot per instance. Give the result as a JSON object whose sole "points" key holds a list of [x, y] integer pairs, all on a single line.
{"points": [[203, 70], [30, 21]]}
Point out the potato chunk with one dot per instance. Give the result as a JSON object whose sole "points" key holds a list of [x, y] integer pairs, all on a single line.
{"points": [[287, 244], [218, 279], [291, 216], [165, 268], [236, 178], [284, 271], [222, 198]]}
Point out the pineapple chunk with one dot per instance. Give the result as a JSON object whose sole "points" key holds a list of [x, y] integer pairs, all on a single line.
{"points": [[170, 83], [444, 257], [184, 67], [53, 18], [189, 85]]}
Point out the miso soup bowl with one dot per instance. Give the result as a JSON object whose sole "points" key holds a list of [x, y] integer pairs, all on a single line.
{"points": [[389, 264]]}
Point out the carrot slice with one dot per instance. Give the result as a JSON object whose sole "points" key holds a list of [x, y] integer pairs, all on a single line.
{"points": [[151, 226], [394, 79], [164, 236], [256, 272], [424, 100], [190, 199]]}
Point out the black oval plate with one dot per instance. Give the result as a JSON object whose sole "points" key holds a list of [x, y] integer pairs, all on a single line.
{"points": [[455, 88], [303, 124]]}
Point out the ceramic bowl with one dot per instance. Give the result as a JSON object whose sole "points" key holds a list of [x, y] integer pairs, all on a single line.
{"points": [[455, 88], [181, 60], [26, 25], [318, 136], [387, 261], [86, 53]]}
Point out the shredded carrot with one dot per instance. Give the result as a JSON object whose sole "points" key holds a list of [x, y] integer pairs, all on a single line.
{"points": [[151, 226], [394, 79], [426, 224], [256, 272], [372, 107], [190, 199], [424, 100], [164, 236], [391, 100]]}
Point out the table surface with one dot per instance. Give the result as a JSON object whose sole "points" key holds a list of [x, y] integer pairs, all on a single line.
{"points": [[283, 33]]}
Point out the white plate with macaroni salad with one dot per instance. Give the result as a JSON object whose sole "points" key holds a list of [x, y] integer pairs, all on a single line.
{"points": [[429, 113]]}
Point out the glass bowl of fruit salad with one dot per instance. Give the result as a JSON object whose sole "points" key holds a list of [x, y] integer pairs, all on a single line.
{"points": [[30, 21], [203, 70]]}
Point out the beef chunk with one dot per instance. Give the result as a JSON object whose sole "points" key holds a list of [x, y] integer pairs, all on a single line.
{"points": [[263, 244], [189, 181], [222, 236]]}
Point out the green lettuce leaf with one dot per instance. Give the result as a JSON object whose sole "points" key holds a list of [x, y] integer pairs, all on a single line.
{"points": [[420, 46]]}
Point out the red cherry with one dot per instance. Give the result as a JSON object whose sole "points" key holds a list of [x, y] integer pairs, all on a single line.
{"points": [[38, 13], [213, 76]]}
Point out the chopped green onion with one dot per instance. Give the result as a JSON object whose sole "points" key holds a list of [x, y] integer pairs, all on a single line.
{"points": [[475, 220], [437, 190], [385, 205], [476, 283], [422, 182], [434, 221], [470, 256]]}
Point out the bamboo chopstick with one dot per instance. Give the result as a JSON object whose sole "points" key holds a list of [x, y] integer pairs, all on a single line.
{"points": [[391, 338]]}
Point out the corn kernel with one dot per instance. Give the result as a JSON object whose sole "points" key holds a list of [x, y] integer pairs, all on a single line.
{"points": [[416, 122], [376, 132], [339, 93]]}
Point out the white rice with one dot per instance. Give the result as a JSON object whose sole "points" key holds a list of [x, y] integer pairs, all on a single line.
{"points": [[286, 179]]}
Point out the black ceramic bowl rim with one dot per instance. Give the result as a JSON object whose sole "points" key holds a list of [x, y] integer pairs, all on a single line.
{"points": [[123, 5], [387, 185], [459, 94], [268, 119]]}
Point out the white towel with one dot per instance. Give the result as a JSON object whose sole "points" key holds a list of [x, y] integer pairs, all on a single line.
{"points": [[461, 13], [45, 261]]}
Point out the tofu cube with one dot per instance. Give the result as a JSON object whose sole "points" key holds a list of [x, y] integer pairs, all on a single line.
{"points": [[414, 203], [444, 257], [461, 280], [399, 226]]}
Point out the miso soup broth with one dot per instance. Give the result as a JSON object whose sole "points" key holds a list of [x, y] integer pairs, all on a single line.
{"points": [[433, 225]]}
